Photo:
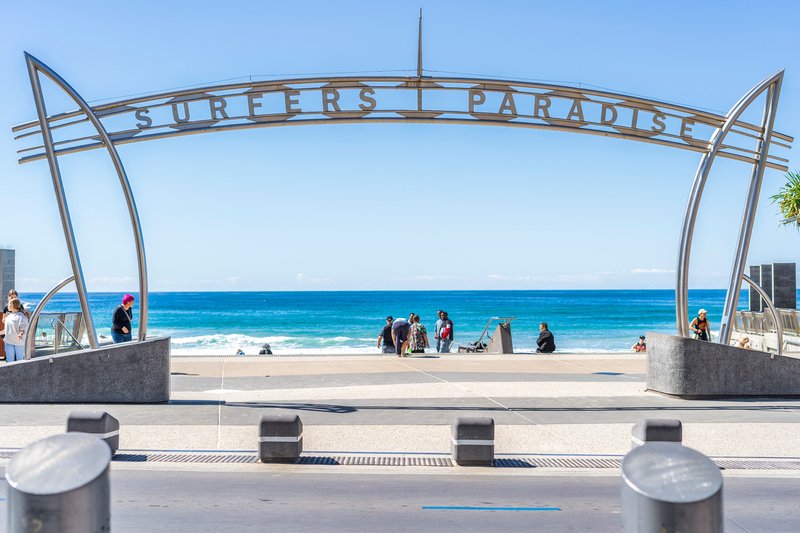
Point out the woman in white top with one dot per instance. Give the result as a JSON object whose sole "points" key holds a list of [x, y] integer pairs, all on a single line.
{"points": [[16, 327]]}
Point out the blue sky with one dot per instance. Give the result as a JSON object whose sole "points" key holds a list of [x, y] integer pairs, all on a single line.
{"points": [[367, 207]]}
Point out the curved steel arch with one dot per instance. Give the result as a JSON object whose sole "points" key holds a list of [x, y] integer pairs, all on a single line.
{"points": [[34, 68], [476, 88], [415, 113], [773, 84]]}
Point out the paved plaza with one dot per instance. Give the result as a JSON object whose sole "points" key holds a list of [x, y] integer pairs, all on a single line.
{"points": [[552, 404], [555, 406]]}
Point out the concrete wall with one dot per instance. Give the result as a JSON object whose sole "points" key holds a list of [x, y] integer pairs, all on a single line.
{"points": [[133, 372], [753, 297], [697, 369], [784, 283], [7, 271], [501, 340]]}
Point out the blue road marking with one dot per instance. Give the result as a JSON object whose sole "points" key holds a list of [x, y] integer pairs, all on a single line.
{"points": [[470, 508]]}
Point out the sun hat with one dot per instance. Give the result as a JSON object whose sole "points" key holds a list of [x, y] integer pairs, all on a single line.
{"points": [[702, 311], [127, 298]]}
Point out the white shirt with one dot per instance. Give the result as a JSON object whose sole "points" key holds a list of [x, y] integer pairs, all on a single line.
{"points": [[16, 323]]}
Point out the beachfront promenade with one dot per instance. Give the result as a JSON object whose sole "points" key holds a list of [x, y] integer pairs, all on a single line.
{"points": [[382, 406]]}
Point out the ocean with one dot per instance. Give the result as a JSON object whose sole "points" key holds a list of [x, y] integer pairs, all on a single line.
{"points": [[349, 322]]}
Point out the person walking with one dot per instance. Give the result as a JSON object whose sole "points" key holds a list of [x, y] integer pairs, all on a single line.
{"points": [[546, 343], [700, 326], [16, 328], [446, 333], [436, 327], [385, 336], [121, 327], [419, 336]]}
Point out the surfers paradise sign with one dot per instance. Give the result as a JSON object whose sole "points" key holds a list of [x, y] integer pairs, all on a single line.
{"points": [[417, 99], [390, 99]]}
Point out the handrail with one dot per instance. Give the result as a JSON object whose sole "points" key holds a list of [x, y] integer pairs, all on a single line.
{"points": [[775, 315], [504, 319], [30, 341], [65, 328]]}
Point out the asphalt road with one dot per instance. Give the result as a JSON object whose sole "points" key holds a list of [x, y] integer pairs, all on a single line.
{"points": [[271, 500]]}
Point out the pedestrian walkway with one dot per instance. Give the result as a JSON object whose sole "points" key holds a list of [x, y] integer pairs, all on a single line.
{"points": [[545, 404]]}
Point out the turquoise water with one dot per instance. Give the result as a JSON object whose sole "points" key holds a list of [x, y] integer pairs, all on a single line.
{"points": [[347, 322]]}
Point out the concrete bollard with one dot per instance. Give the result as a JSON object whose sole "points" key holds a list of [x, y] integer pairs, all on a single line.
{"points": [[669, 487], [60, 485], [97, 423], [473, 441], [280, 438], [656, 430]]}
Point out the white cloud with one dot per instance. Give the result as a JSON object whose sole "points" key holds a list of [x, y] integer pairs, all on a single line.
{"points": [[430, 277], [234, 279], [653, 271], [115, 280], [302, 279]]}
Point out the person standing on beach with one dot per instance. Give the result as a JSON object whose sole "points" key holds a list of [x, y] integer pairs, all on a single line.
{"points": [[386, 337], [419, 336], [546, 343], [121, 328], [400, 330], [16, 326], [640, 346], [436, 327], [446, 333], [700, 326]]}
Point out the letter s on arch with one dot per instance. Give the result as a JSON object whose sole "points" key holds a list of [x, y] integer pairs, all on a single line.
{"points": [[366, 94], [146, 122]]}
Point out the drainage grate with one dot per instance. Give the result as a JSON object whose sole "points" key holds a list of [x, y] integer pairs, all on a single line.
{"points": [[185, 458], [440, 461]]}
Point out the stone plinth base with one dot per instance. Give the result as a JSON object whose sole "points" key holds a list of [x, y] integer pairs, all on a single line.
{"points": [[691, 369], [132, 372]]}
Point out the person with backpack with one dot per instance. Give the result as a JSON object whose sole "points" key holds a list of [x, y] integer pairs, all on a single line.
{"points": [[700, 326]]}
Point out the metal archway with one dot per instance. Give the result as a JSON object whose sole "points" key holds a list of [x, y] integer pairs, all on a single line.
{"points": [[395, 99]]}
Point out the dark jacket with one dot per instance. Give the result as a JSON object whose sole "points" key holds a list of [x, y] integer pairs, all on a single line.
{"points": [[122, 318], [546, 343]]}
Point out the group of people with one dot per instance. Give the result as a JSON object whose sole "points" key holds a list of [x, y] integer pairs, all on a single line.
{"points": [[403, 337], [14, 328], [409, 336]]}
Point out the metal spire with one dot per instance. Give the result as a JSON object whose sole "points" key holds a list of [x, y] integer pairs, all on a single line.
{"points": [[419, 46]]}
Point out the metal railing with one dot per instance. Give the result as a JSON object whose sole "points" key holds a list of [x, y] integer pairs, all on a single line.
{"points": [[759, 323], [57, 333]]}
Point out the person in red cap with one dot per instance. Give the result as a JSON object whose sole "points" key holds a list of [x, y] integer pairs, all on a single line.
{"points": [[121, 328]]}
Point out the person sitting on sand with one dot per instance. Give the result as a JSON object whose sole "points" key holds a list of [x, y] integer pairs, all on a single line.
{"points": [[546, 343], [700, 326], [265, 349], [743, 342], [640, 346]]}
